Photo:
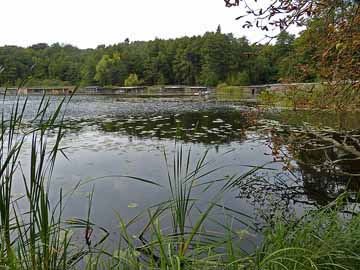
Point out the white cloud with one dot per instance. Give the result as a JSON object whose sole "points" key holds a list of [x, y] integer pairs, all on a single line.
{"points": [[88, 23]]}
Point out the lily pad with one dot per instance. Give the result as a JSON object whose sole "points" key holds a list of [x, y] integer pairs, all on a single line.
{"points": [[133, 205]]}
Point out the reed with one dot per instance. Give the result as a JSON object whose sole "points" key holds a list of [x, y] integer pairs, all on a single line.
{"points": [[31, 233]]}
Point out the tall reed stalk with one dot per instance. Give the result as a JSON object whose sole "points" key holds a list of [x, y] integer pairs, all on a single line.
{"points": [[32, 236]]}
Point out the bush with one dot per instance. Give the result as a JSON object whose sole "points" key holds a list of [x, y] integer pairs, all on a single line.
{"points": [[225, 92], [297, 97], [240, 79], [268, 97], [133, 80], [45, 83]]}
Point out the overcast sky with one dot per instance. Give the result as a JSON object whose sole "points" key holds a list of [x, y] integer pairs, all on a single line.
{"points": [[88, 23]]}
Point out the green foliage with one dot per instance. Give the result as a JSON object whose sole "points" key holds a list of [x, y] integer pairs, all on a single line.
{"points": [[316, 96], [284, 44], [46, 83], [296, 96], [241, 78], [270, 98], [205, 60], [110, 70], [40, 242], [229, 93], [200, 60], [133, 80], [186, 65], [322, 239], [292, 96]]}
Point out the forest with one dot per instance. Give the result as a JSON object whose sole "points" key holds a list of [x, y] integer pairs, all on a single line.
{"points": [[210, 59], [186, 183]]}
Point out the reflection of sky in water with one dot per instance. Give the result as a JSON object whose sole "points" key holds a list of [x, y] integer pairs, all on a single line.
{"points": [[107, 139], [144, 159], [140, 158]]}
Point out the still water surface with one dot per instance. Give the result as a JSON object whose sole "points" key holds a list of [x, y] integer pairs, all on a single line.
{"points": [[107, 139]]}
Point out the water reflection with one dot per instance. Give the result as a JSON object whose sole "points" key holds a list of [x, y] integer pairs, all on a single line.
{"points": [[327, 172], [110, 138], [316, 169]]}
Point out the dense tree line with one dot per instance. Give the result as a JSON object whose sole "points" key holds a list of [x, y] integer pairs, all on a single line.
{"points": [[209, 60]]}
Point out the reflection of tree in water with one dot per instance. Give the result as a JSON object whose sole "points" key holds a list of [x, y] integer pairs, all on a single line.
{"points": [[325, 187], [310, 170], [316, 169], [328, 172]]}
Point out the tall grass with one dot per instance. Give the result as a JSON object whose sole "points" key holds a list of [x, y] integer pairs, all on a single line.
{"points": [[321, 239], [183, 232], [230, 93], [31, 235], [178, 233]]}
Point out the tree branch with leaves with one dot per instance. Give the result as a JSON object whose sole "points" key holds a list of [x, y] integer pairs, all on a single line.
{"points": [[332, 32]]}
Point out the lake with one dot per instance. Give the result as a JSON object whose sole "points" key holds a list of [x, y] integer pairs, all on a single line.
{"points": [[110, 142]]}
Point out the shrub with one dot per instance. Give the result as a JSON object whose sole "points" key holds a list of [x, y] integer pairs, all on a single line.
{"points": [[133, 80], [268, 97]]}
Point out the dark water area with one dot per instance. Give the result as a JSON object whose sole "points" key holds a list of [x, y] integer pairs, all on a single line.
{"points": [[107, 140], [341, 121]]}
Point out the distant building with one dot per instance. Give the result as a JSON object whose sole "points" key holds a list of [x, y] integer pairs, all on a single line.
{"points": [[131, 89], [199, 90], [91, 89], [66, 90], [173, 89], [116, 90]]}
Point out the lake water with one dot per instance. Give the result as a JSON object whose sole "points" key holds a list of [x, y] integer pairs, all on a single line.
{"points": [[107, 140]]}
